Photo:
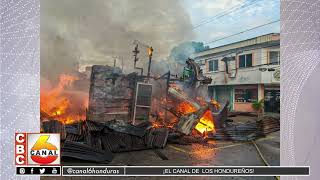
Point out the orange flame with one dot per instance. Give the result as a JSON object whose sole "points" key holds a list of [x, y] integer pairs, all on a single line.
{"points": [[57, 103], [185, 108], [206, 123], [201, 101]]}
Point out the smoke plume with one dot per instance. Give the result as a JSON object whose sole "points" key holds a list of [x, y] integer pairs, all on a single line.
{"points": [[79, 32]]}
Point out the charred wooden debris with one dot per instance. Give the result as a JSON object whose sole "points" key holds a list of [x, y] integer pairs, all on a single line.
{"points": [[97, 142], [110, 137], [247, 131], [118, 119]]}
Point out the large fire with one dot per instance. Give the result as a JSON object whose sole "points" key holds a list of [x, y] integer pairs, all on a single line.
{"points": [[206, 121], [185, 108], [63, 105]]}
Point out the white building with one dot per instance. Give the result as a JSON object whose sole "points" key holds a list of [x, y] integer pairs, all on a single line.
{"points": [[244, 71]]}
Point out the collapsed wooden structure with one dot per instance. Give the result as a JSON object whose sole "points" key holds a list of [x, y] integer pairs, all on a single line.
{"points": [[112, 137], [118, 120]]}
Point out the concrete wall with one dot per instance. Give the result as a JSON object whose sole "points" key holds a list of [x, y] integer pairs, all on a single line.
{"points": [[243, 107], [250, 75], [258, 74]]}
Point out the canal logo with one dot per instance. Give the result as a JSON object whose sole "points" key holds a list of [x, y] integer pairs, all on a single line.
{"points": [[43, 149]]}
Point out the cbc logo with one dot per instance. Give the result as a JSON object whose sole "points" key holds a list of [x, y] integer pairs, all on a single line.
{"points": [[42, 149]]}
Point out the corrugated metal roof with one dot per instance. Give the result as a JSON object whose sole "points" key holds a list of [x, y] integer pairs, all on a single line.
{"points": [[94, 126]]}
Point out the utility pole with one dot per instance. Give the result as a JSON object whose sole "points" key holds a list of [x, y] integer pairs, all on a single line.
{"points": [[167, 89], [150, 51], [135, 55], [114, 60], [122, 63]]}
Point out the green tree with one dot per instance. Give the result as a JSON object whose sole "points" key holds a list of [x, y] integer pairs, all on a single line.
{"points": [[258, 107]]}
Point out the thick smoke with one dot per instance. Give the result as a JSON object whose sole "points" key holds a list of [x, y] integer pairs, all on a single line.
{"points": [[177, 57], [77, 32]]}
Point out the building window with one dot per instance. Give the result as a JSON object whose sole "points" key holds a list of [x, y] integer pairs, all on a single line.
{"points": [[246, 94], [245, 61], [274, 57], [213, 65]]}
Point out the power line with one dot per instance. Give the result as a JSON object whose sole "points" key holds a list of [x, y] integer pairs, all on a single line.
{"points": [[203, 21], [226, 12], [242, 32]]}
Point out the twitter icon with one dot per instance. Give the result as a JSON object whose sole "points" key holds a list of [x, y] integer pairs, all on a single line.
{"points": [[42, 170]]}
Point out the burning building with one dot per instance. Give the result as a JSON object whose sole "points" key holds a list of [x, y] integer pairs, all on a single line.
{"points": [[128, 112], [130, 97], [110, 94], [114, 95], [135, 99]]}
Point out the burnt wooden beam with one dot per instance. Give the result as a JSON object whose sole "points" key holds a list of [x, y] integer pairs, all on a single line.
{"points": [[188, 122], [182, 97]]}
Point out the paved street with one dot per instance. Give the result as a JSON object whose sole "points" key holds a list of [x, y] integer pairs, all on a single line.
{"points": [[217, 153]]}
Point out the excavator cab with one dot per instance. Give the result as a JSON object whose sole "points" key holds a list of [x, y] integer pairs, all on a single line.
{"points": [[192, 75]]}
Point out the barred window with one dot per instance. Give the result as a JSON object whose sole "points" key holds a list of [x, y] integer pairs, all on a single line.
{"points": [[245, 61], [213, 65], [274, 57]]}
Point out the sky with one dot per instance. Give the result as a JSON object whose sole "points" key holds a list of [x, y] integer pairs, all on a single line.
{"points": [[258, 13], [78, 33]]}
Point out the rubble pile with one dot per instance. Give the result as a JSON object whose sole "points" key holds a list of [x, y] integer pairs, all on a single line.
{"points": [[53, 126], [95, 141], [119, 118], [81, 151], [248, 131], [91, 138]]}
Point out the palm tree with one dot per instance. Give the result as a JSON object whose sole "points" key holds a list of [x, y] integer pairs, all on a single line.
{"points": [[258, 107]]}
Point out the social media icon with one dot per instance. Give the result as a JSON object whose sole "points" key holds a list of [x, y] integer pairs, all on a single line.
{"points": [[42, 170], [54, 171], [69, 170], [22, 170]]}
